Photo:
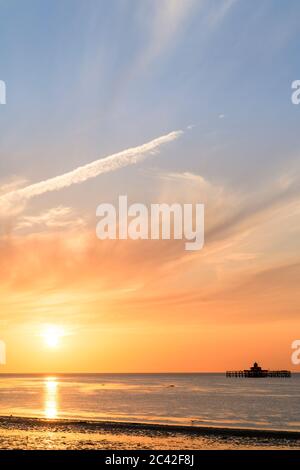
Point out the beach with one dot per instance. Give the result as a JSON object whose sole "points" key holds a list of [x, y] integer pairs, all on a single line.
{"points": [[39, 434], [148, 411]]}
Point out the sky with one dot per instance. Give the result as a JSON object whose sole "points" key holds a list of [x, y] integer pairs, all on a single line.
{"points": [[164, 101]]}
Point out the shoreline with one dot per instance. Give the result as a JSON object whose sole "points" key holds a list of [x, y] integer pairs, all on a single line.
{"points": [[119, 426]]}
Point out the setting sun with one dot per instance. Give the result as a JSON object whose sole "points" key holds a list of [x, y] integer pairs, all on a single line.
{"points": [[52, 336]]}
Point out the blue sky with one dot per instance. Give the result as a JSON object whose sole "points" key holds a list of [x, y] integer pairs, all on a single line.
{"points": [[85, 79]]}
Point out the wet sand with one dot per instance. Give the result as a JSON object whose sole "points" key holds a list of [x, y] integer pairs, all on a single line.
{"points": [[32, 433]]}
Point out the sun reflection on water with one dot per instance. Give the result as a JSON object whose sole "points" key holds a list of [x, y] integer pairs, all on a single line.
{"points": [[51, 398]]}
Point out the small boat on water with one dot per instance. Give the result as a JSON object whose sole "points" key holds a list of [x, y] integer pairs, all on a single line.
{"points": [[257, 372]]}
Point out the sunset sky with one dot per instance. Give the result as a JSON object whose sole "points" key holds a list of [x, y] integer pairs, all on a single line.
{"points": [[88, 79]]}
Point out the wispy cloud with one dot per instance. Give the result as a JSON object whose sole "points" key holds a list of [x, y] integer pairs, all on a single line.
{"points": [[56, 217], [91, 170], [164, 25], [10, 185], [217, 15], [165, 21]]}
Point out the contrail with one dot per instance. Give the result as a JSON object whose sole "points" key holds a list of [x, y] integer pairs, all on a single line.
{"points": [[91, 170]]}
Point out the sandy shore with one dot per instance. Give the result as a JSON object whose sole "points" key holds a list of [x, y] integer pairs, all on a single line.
{"points": [[34, 433]]}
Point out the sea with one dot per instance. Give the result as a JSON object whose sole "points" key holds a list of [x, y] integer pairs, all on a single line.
{"points": [[68, 411]]}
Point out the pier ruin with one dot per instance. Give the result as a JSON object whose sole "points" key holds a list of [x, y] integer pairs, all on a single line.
{"points": [[257, 372]]}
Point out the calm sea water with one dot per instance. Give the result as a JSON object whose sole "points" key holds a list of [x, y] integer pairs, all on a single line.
{"points": [[190, 399]]}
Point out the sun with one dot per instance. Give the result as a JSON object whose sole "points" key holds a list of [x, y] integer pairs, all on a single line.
{"points": [[52, 335]]}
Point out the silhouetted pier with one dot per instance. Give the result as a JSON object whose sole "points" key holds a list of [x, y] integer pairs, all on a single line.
{"points": [[257, 372]]}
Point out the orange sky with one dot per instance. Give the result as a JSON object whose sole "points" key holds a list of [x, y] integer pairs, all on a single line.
{"points": [[129, 306]]}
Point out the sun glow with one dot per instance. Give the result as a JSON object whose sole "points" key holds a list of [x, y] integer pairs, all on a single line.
{"points": [[52, 335]]}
